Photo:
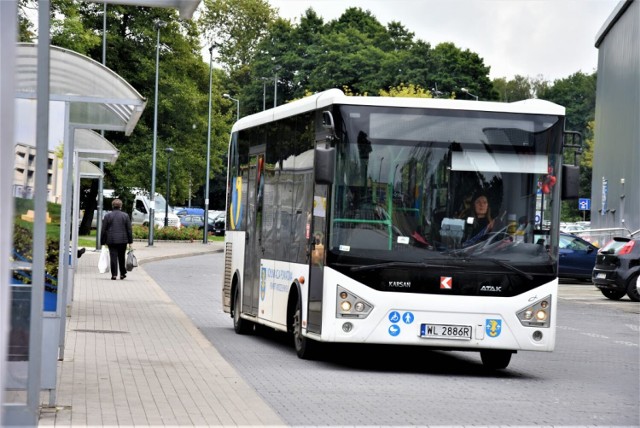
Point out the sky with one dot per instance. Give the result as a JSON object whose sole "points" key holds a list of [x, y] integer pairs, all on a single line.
{"points": [[549, 38]]}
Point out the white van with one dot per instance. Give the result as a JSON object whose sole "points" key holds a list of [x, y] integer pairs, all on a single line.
{"points": [[142, 206]]}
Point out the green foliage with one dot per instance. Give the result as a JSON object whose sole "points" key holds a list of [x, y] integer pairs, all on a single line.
{"points": [[358, 53], [234, 28], [25, 26], [408, 91], [169, 233], [23, 237], [577, 93]]}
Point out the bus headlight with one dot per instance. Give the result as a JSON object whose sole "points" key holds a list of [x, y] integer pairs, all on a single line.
{"points": [[537, 314], [350, 305]]}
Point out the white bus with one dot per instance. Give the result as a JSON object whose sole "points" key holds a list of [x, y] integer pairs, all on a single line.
{"points": [[344, 223]]}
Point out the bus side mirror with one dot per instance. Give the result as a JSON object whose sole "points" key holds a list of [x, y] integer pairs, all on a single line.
{"points": [[570, 182], [324, 165]]}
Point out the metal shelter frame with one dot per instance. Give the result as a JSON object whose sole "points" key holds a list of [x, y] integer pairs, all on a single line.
{"points": [[39, 89]]}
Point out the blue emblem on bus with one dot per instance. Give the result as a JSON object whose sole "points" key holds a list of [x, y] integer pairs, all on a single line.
{"points": [[408, 317], [493, 327], [394, 330], [394, 316], [235, 210]]}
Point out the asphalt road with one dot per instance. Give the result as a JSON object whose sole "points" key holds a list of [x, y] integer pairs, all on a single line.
{"points": [[592, 378]]}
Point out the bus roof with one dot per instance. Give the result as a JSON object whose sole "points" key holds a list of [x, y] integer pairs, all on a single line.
{"points": [[337, 97]]}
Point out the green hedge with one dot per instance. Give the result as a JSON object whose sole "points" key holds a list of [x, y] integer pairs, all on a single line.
{"points": [[169, 233]]}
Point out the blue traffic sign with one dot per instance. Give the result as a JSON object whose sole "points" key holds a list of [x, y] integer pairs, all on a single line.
{"points": [[584, 204]]}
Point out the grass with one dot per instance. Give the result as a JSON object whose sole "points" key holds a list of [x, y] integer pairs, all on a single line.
{"points": [[87, 240]]}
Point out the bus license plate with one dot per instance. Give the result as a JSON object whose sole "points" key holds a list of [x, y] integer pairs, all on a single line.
{"points": [[446, 331]]}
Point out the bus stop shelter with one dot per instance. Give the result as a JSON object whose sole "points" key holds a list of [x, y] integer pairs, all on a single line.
{"points": [[40, 87], [94, 98]]}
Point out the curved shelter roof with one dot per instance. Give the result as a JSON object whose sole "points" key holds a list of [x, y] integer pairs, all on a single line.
{"points": [[92, 146], [89, 170], [99, 98]]}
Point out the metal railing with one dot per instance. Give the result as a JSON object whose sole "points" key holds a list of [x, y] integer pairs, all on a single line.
{"points": [[599, 237]]}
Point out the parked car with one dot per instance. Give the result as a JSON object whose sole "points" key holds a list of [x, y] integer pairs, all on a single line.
{"points": [[94, 220], [193, 221], [572, 227], [189, 211], [617, 269], [577, 257], [219, 223]]}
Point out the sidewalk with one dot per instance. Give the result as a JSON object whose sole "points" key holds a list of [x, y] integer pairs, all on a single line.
{"points": [[132, 357]]}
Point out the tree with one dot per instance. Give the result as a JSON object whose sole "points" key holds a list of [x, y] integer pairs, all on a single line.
{"points": [[454, 69], [577, 93], [182, 101], [520, 88], [25, 26], [235, 28], [357, 53], [407, 91]]}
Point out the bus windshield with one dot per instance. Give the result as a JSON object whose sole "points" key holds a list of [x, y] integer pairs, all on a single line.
{"points": [[407, 181]]}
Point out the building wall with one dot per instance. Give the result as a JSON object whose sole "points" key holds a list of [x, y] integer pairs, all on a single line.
{"points": [[615, 194], [24, 174]]}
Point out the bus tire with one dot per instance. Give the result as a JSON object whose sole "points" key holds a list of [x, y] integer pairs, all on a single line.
{"points": [[305, 348], [613, 294], [495, 359], [241, 326]]}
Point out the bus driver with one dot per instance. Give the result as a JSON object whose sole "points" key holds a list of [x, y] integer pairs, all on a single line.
{"points": [[480, 223]]}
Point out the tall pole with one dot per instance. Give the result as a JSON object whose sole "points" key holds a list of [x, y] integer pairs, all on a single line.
{"points": [[169, 150], [275, 89], [101, 179], [206, 180], [152, 197], [264, 94]]}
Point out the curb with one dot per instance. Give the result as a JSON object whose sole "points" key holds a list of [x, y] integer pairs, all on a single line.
{"points": [[177, 256]]}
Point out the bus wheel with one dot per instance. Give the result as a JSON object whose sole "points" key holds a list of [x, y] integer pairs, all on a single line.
{"points": [[241, 326], [613, 294], [304, 347], [494, 360]]}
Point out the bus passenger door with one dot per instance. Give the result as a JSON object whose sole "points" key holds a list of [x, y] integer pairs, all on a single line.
{"points": [[253, 252]]}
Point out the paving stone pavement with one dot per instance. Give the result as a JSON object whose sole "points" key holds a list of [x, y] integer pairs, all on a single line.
{"points": [[133, 358]]}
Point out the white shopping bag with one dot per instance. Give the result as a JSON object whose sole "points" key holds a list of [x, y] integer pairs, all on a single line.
{"points": [[103, 263]]}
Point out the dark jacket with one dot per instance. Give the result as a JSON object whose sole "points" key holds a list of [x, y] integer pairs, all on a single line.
{"points": [[116, 228]]}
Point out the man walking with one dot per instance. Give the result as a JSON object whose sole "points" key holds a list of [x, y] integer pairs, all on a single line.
{"points": [[116, 234]]}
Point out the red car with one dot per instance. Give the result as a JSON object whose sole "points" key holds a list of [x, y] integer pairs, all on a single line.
{"points": [[617, 269]]}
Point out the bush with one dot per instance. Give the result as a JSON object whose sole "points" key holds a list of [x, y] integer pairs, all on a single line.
{"points": [[169, 233], [23, 246]]}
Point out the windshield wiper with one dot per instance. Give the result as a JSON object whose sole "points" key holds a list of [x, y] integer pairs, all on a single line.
{"points": [[510, 267], [402, 264]]}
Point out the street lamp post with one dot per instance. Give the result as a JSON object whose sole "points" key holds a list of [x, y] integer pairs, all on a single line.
{"points": [[169, 151], [206, 180], [152, 197], [229, 97], [275, 85], [264, 92], [466, 91]]}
